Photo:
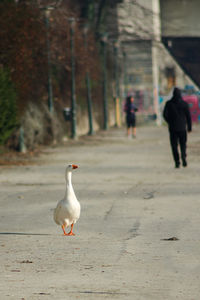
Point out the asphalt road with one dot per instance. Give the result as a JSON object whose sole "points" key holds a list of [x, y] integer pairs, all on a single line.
{"points": [[133, 200]]}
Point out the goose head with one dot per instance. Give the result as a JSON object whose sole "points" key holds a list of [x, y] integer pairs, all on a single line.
{"points": [[69, 169]]}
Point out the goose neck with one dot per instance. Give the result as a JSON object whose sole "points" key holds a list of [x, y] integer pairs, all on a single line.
{"points": [[69, 193], [69, 178]]}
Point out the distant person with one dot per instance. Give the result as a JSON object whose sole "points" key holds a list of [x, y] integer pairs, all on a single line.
{"points": [[130, 110], [177, 114]]}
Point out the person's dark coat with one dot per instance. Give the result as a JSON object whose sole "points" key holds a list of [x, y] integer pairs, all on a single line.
{"points": [[177, 114], [130, 107]]}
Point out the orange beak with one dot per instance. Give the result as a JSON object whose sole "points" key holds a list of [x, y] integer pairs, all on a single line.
{"points": [[74, 166]]}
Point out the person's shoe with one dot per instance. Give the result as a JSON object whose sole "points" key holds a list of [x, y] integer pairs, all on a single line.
{"points": [[177, 165], [184, 163]]}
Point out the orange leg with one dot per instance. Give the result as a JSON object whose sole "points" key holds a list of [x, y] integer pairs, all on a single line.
{"points": [[70, 233], [63, 228]]}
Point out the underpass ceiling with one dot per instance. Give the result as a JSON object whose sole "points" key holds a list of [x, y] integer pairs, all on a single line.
{"points": [[186, 51]]}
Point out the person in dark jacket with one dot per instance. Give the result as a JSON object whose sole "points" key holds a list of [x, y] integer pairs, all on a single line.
{"points": [[177, 114], [130, 110]]}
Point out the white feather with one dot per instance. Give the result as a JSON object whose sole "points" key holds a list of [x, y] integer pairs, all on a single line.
{"points": [[68, 210]]}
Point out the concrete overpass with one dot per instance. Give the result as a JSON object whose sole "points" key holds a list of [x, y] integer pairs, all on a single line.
{"points": [[180, 32], [160, 47]]}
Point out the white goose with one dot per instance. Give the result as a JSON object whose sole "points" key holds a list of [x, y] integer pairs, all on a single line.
{"points": [[67, 211]]}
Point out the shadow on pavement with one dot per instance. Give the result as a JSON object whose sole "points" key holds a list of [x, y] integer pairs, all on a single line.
{"points": [[22, 233]]}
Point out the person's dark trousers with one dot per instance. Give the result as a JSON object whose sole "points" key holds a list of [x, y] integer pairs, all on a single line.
{"points": [[178, 138]]}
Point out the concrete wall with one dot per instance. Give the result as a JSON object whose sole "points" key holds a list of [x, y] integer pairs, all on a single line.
{"points": [[135, 20], [180, 18], [139, 64], [166, 61], [147, 60], [41, 127]]}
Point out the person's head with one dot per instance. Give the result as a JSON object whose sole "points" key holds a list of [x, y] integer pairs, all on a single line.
{"points": [[130, 99], [177, 93]]}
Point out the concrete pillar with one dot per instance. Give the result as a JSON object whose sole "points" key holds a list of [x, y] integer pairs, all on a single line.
{"points": [[155, 53]]}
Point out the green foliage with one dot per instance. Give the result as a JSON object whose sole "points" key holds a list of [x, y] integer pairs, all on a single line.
{"points": [[95, 12], [6, 1], [8, 115], [88, 10]]}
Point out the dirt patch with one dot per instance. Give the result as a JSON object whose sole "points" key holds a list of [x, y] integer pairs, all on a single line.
{"points": [[19, 159]]}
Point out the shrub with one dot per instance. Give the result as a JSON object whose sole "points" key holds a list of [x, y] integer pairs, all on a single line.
{"points": [[8, 113]]}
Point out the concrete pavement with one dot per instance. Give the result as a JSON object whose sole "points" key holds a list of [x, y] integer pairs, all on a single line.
{"points": [[132, 200]]}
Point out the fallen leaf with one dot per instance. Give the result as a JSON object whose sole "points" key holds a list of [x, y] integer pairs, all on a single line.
{"points": [[42, 293], [26, 262], [171, 239]]}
